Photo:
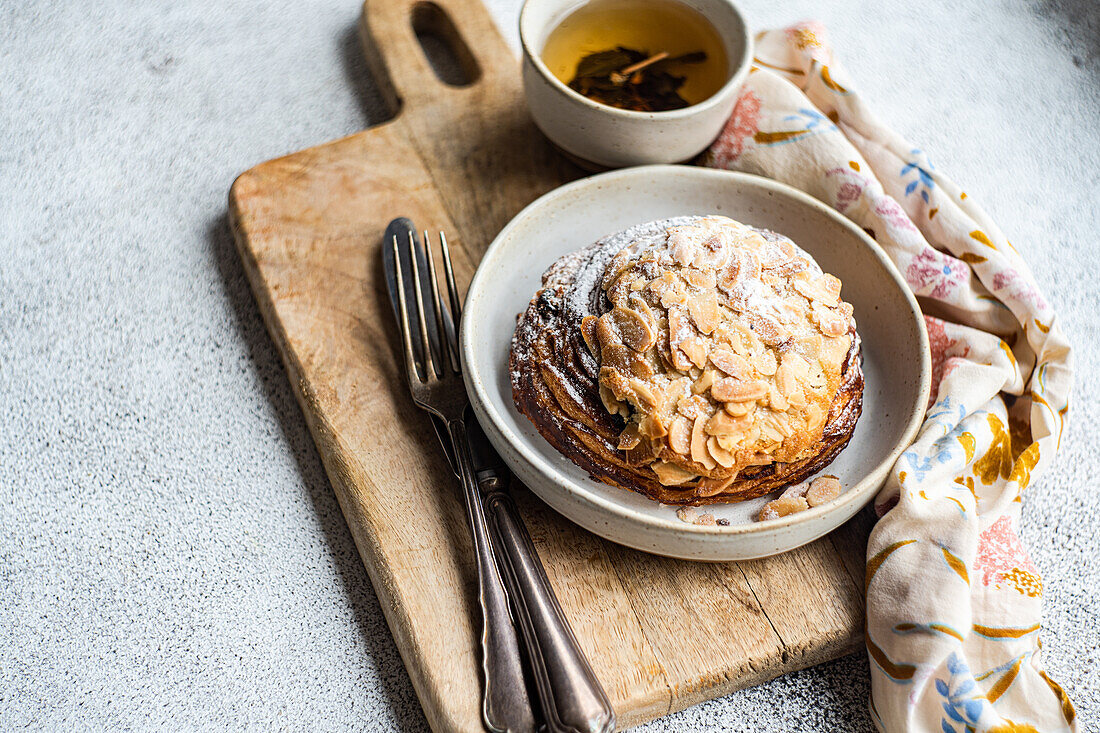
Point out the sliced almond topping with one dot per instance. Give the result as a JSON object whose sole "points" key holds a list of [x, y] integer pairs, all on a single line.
{"points": [[679, 435], [712, 252], [616, 356], [711, 356], [729, 362], [702, 279], [738, 409], [618, 265], [640, 367], [703, 383], [626, 361], [713, 486], [777, 253], [629, 437], [824, 289], [679, 326], [699, 452], [769, 433], [682, 245], [693, 406], [765, 363], [730, 389], [651, 427], [767, 330], [831, 285], [588, 331], [638, 303], [810, 345], [611, 404], [792, 370], [833, 326], [834, 351], [605, 331], [705, 311], [673, 296], [798, 398], [720, 454], [633, 329], [815, 417], [680, 360], [614, 380], [669, 474], [659, 285], [722, 423], [620, 289], [782, 424], [823, 489], [696, 349], [644, 398], [783, 506], [777, 401]]}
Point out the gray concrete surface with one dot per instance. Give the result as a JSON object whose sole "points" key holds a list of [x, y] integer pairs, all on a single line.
{"points": [[171, 555]]}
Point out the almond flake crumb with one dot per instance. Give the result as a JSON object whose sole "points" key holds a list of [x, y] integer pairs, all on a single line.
{"points": [[686, 514], [783, 506], [823, 489]]}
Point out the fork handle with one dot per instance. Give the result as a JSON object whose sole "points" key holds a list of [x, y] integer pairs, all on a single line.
{"points": [[570, 695], [506, 707]]}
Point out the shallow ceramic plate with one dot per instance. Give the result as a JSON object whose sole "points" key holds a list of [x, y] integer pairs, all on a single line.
{"points": [[896, 362]]}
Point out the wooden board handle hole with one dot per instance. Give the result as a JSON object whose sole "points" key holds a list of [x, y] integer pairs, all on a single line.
{"points": [[443, 46]]}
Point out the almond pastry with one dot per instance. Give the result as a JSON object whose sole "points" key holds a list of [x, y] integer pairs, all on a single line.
{"points": [[695, 360]]}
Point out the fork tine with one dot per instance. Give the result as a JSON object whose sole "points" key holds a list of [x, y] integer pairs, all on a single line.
{"points": [[429, 364], [446, 363], [406, 335], [456, 306]]}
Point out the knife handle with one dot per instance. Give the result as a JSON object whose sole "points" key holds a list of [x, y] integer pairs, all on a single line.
{"points": [[571, 697], [505, 705]]}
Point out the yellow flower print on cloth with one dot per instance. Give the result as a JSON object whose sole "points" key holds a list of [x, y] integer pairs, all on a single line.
{"points": [[953, 601]]}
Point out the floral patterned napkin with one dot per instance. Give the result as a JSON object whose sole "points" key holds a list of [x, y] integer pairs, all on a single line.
{"points": [[953, 601]]}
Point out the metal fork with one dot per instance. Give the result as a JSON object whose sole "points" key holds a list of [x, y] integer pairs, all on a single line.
{"points": [[505, 705], [570, 696]]}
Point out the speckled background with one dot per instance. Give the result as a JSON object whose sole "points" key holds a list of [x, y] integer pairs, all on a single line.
{"points": [[171, 554]]}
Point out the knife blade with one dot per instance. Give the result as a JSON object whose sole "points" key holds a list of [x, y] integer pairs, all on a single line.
{"points": [[489, 467]]}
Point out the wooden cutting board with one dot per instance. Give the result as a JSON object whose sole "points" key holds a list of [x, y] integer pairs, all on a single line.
{"points": [[661, 634]]}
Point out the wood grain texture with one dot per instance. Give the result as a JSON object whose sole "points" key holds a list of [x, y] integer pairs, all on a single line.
{"points": [[661, 634]]}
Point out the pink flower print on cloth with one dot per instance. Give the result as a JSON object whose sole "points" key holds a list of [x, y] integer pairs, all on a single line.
{"points": [[1010, 285], [850, 188], [946, 353], [936, 274], [1002, 560], [738, 132]]}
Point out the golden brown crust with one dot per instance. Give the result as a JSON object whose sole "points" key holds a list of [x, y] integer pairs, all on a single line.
{"points": [[556, 382]]}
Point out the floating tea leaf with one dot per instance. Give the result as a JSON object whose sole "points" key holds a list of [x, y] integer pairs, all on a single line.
{"points": [[631, 79]]}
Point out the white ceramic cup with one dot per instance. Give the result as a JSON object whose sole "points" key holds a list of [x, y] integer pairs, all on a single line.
{"points": [[614, 138]]}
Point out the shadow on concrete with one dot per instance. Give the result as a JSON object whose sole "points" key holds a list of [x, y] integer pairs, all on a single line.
{"points": [[395, 686]]}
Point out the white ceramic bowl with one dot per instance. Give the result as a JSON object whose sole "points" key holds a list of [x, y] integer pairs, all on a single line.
{"points": [[613, 138], [896, 361]]}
